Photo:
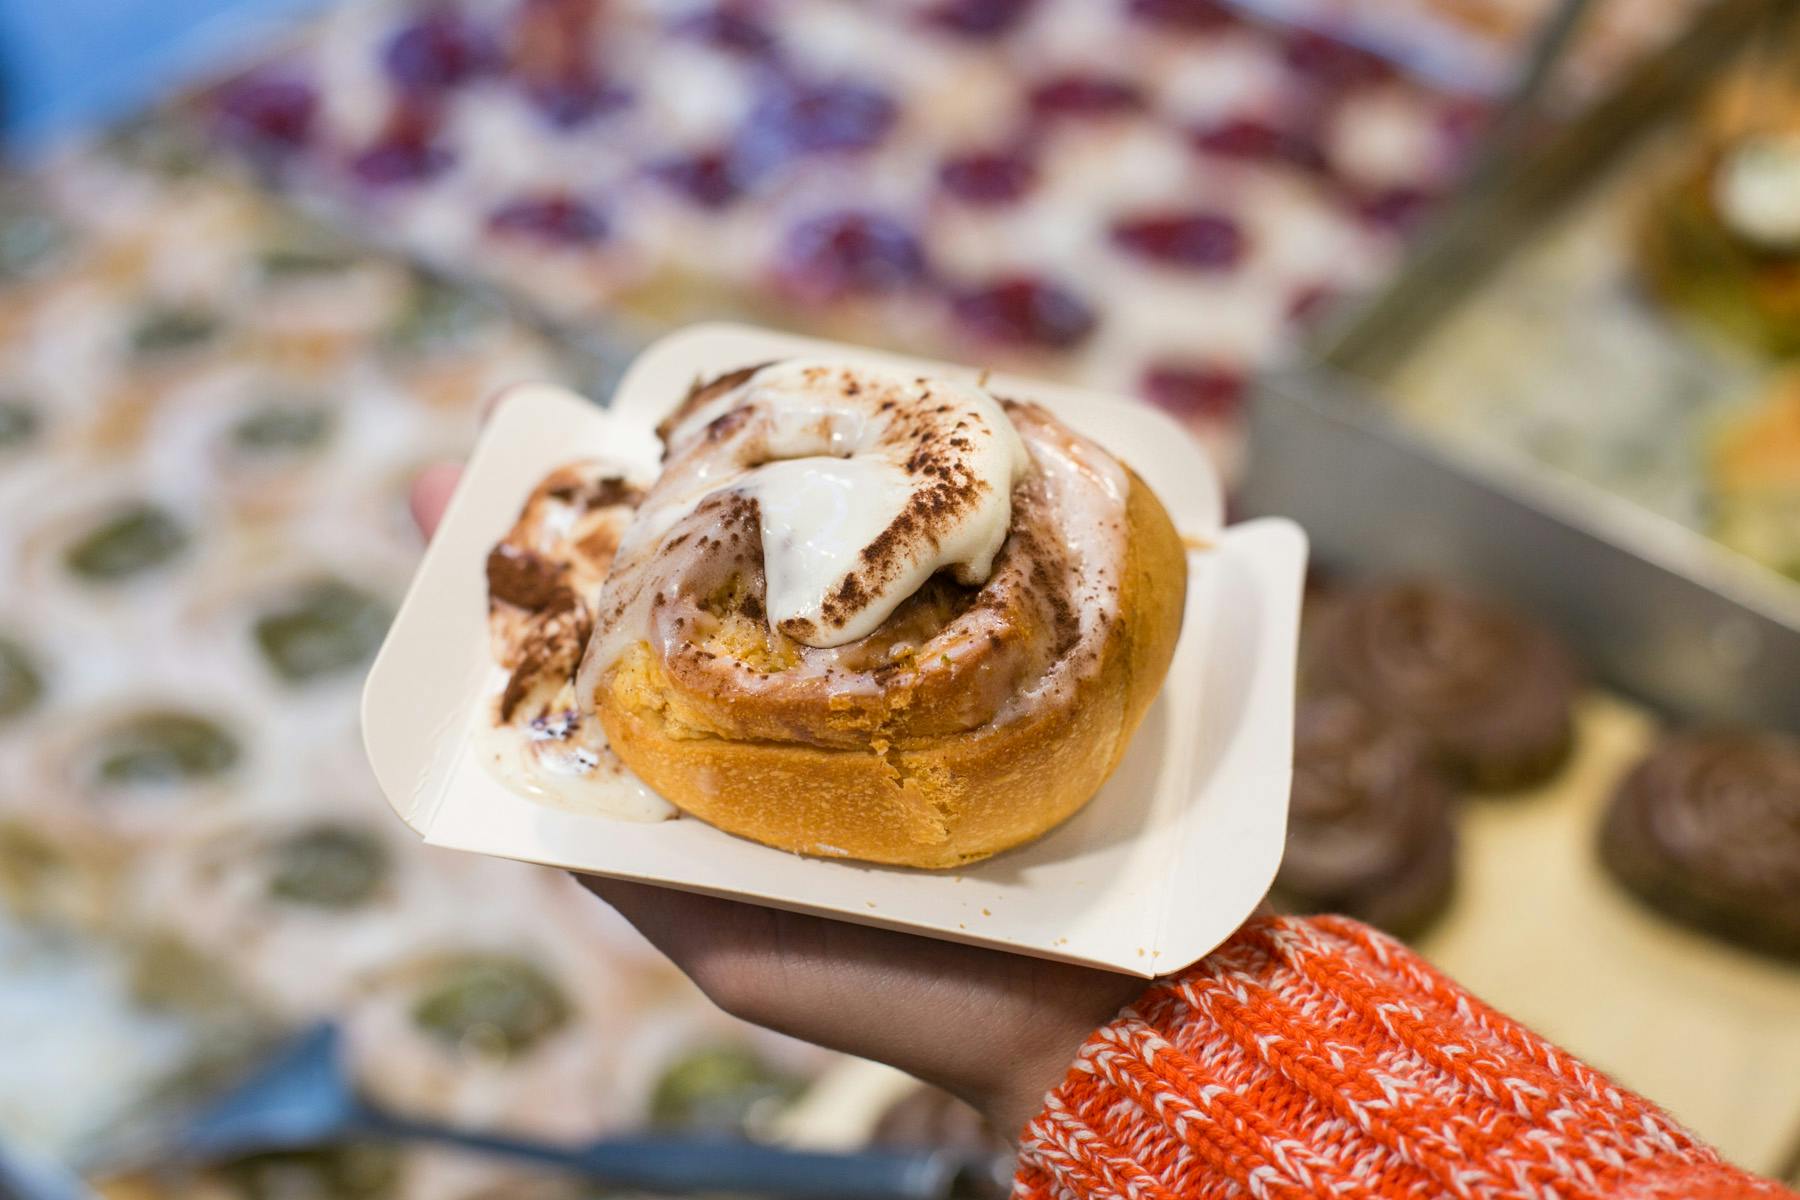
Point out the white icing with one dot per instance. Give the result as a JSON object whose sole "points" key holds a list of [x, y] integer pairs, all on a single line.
{"points": [[548, 750], [1089, 488], [1757, 189], [565, 762], [824, 452], [812, 509]]}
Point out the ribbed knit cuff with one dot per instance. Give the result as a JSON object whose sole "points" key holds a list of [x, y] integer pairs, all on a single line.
{"points": [[1319, 1057]]}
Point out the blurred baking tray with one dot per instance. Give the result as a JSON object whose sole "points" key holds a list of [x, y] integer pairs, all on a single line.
{"points": [[1661, 611]]}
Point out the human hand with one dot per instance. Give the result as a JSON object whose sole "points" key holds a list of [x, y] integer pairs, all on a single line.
{"points": [[997, 1029]]}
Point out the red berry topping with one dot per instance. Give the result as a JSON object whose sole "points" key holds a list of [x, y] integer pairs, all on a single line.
{"points": [[1024, 311], [802, 119], [710, 179], [438, 51], [1199, 241], [556, 220], [1253, 139], [406, 153], [1085, 96], [1182, 14], [978, 18], [267, 111], [1190, 390], [849, 253], [1332, 62], [987, 177], [728, 27], [1398, 209], [575, 98], [1241, 137]]}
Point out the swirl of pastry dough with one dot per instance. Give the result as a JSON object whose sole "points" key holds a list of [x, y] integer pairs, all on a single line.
{"points": [[846, 574]]}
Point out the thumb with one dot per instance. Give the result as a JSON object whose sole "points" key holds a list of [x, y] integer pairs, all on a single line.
{"points": [[431, 495]]}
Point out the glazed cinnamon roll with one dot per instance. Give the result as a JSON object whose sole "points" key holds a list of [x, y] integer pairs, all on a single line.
{"points": [[881, 616]]}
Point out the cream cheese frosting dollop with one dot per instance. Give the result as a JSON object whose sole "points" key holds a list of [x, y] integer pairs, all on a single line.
{"points": [[866, 482]]}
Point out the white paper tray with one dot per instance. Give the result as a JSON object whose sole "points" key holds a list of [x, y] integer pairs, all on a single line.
{"points": [[1159, 868]]}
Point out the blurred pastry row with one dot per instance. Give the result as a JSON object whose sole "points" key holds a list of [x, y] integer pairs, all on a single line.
{"points": [[212, 409], [959, 178], [965, 178]]}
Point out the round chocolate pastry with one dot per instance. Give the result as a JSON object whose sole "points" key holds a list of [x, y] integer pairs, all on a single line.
{"points": [[1492, 694], [1369, 823], [1707, 830]]}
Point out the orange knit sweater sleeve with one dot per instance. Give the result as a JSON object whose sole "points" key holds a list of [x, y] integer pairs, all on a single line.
{"points": [[1321, 1058]]}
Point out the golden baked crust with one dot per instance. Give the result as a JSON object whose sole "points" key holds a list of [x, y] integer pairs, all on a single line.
{"points": [[902, 796]]}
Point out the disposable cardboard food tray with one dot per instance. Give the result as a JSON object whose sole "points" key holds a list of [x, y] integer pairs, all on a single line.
{"points": [[1176, 849]]}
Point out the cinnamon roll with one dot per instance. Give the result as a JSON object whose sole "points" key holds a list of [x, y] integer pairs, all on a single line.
{"points": [[1707, 829], [881, 616]]}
